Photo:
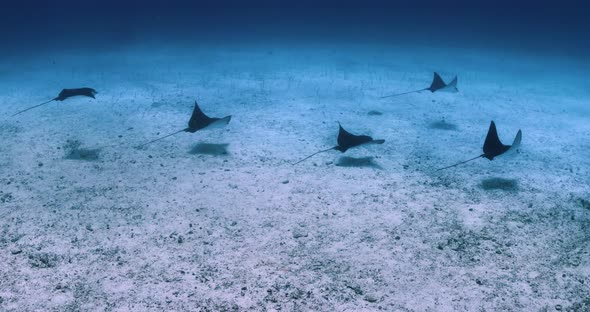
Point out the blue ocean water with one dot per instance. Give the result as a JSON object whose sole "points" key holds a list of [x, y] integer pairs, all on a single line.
{"points": [[538, 26], [224, 218]]}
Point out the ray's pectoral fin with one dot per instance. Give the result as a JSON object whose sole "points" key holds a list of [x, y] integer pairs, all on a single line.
{"points": [[437, 83], [517, 139], [492, 146], [348, 140], [219, 122], [200, 121], [452, 86], [514, 148]]}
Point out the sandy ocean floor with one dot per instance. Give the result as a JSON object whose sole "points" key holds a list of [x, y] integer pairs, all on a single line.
{"points": [[220, 220]]}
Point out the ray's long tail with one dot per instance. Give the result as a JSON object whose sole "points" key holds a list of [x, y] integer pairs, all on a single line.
{"points": [[404, 93], [161, 138], [24, 110], [457, 164], [310, 156]]}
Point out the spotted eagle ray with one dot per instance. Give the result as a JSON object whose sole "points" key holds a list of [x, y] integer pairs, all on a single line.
{"points": [[437, 85], [346, 140], [492, 146], [64, 94], [197, 122]]}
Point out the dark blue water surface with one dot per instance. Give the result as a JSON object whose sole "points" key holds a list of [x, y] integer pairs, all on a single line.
{"points": [[555, 26]]}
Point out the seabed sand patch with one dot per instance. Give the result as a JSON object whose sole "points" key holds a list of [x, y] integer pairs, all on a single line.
{"points": [[163, 229]]}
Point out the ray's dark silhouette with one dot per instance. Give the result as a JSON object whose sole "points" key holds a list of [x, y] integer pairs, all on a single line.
{"points": [[346, 141], [436, 85], [198, 121], [64, 94], [492, 146]]}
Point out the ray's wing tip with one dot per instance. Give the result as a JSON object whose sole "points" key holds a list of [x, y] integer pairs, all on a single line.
{"points": [[225, 120], [517, 139]]}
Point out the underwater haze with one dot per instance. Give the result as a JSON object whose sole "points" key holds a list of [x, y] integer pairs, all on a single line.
{"points": [[294, 156]]}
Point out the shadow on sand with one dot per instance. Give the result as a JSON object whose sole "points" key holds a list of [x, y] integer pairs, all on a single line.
{"points": [[363, 162], [209, 149], [507, 185], [442, 125], [584, 203], [74, 152]]}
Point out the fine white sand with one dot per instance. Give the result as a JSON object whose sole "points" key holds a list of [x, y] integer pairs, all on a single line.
{"points": [[88, 222]]}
